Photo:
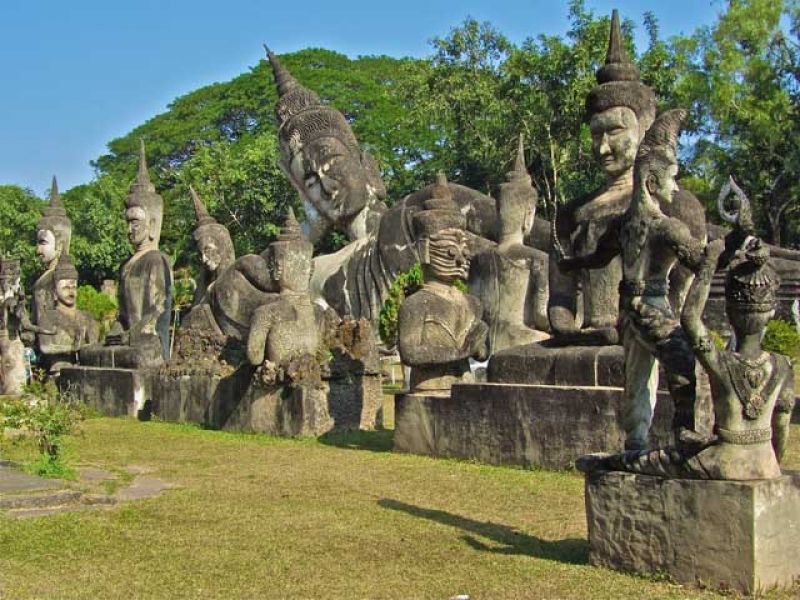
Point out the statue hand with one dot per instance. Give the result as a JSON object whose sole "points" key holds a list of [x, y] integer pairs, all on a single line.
{"points": [[475, 342]]}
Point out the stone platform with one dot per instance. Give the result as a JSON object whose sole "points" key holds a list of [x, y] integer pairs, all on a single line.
{"points": [[724, 534], [511, 424], [234, 402]]}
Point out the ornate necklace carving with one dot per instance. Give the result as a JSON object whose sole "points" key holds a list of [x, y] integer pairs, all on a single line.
{"points": [[748, 378]]}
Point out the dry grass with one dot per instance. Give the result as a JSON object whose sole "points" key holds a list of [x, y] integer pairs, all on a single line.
{"points": [[260, 517]]}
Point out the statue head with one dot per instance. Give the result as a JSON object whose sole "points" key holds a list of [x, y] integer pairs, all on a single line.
{"points": [[144, 209], [289, 258], [656, 160], [9, 277], [54, 230], [750, 288], [620, 108], [212, 239], [441, 236], [320, 153], [65, 277], [516, 204]]}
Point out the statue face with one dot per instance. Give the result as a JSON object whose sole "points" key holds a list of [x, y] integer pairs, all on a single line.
{"points": [[747, 322], [46, 248], [447, 255], [661, 182], [138, 228], [67, 292], [615, 139], [210, 255], [289, 269], [331, 177], [9, 287]]}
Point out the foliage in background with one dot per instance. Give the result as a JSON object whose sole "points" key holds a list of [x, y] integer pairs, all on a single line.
{"points": [[406, 284], [782, 337], [46, 415], [20, 209], [100, 306]]}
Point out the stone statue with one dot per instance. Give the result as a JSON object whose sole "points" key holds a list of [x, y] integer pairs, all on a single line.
{"points": [[440, 327], [14, 323], [71, 328], [53, 234], [512, 277], [283, 332], [650, 244], [583, 304], [752, 390], [214, 246], [140, 337], [341, 188]]}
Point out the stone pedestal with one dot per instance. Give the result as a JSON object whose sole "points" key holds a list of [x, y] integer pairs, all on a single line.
{"points": [[111, 392], [725, 534], [529, 425]]}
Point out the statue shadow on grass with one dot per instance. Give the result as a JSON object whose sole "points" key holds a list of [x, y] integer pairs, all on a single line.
{"points": [[380, 440], [510, 541]]}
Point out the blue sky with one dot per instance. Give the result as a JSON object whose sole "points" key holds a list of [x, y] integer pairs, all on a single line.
{"points": [[78, 73]]}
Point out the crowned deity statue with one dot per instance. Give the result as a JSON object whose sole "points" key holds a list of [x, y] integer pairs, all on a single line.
{"points": [[53, 235], [283, 332], [140, 336], [439, 326], [70, 328], [215, 247], [583, 304], [752, 390], [511, 277]]}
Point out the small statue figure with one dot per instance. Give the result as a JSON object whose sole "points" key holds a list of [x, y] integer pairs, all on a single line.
{"points": [[512, 277], [283, 338], [140, 337], [53, 234], [583, 306], [214, 246], [650, 244], [71, 328], [440, 327], [752, 390], [14, 323]]}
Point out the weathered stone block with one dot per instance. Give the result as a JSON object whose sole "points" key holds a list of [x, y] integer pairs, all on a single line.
{"points": [[111, 392], [739, 535], [541, 425]]}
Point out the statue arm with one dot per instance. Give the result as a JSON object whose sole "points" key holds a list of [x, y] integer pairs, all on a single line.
{"points": [[157, 283], [692, 315], [260, 326], [782, 415], [414, 351], [689, 250], [607, 248]]}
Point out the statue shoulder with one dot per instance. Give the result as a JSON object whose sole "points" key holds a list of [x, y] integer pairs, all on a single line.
{"points": [[686, 208]]}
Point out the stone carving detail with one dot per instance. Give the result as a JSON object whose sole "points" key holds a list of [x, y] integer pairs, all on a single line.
{"points": [[140, 337], [71, 328], [283, 339], [511, 278], [215, 247], [53, 235], [440, 327], [650, 244], [583, 304]]}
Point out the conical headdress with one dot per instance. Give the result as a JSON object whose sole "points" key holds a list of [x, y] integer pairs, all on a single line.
{"points": [[54, 218], [65, 269], [441, 211], [619, 83], [517, 194], [291, 237], [143, 192], [203, 218], [662, 137]]}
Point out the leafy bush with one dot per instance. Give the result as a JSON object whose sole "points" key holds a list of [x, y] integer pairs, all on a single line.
{"points": [[46, 415], [782, 337], [406, 284], [101, 306]]}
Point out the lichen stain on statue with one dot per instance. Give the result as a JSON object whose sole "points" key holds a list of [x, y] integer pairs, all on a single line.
{"points": [[583, 305], [440, 327], [341, 189], [68, 328], [511, 278], [140, 337], [283, 340]]}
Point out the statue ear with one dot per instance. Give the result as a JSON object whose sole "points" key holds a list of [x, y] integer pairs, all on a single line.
{"points": [[373, 174], [651, 182], [423, 248]]}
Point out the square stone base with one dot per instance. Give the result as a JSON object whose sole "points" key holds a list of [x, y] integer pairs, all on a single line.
{"points": [[529, 425], [725, 534], [111, 392]]}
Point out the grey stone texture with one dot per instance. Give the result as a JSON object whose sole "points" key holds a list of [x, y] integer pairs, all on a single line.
{"points": [[111, 392], [527, 425], [732, 535]]}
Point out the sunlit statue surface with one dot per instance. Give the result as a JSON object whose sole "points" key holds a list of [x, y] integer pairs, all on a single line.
{"points": [[53, 235], [140, 336], [215, 247], [440, 327]]}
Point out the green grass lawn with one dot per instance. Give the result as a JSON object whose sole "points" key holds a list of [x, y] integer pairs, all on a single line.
{"points": [[260, 517]]}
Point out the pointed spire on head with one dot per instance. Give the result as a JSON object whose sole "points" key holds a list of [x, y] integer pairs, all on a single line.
{"points": [[520, 170], [284, 80], [142, 181], [618, 67], [291, 228], [55, 198], [200, 211]]}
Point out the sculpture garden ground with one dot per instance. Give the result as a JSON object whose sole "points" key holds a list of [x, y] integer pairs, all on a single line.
{"points": [[342, 517]]}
